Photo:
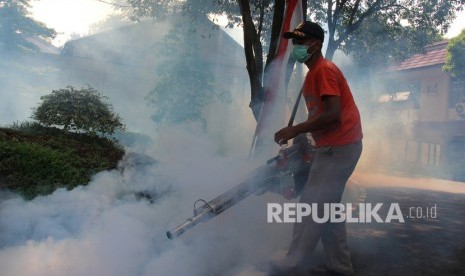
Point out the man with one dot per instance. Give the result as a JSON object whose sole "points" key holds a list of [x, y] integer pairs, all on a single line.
{"points": [[334, 122]]}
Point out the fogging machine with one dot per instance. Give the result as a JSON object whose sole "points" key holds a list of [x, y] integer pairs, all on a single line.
{"points": [[286, 174]]}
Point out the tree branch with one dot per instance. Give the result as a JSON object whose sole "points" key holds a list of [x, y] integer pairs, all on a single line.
{"points": [[354, 11], [113, 4], [329, 12], [351, 27], [260, 18], [278, 17], [394, 6], [251, 56]]}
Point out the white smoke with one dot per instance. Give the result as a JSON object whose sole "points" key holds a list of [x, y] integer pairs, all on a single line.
{"points": [[104, 228], [116, 225]]}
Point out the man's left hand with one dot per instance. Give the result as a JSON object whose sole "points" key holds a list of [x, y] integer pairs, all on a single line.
{"points": [[281, 137]]}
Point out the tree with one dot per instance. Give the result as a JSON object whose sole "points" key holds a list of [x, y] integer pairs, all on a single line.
{"points": [[78, 110], [377, 44], [356, 26], [349, 24], [260, 20], [16, 25], [186, 82], [455, 61]]}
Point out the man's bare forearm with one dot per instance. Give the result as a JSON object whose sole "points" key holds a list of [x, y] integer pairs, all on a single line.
{"points": [[320, 122], [330, 115]]}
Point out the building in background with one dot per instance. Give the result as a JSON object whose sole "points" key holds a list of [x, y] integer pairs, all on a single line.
{"points": [[423, 109], [124, 63]]}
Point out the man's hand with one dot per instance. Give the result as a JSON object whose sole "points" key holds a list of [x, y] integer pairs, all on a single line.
{"points": [[281, 137]]}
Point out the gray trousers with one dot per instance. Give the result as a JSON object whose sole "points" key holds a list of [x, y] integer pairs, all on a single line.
{"points": [[331, 168]]}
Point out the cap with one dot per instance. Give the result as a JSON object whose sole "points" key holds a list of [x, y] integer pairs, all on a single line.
{"points": [[306, 29]]}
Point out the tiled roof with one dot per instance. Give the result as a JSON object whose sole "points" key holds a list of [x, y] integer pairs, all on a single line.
{"points": [[435, 54]]}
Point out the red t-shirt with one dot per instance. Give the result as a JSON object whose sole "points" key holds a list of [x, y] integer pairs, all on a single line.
{"points": [[325, 78]]}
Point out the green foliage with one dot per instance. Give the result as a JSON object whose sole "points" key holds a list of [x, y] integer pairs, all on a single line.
{"points": [[261, 12], [455, 59], [186, 82], [78, 110], [42, 170], [380, 41], [37, 160], [368, 27], [16, 25], [27, 126], [163, 9], [254, 16], [375, 32]]}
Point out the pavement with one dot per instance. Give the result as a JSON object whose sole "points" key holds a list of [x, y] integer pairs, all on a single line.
{"points": [[429, 241]]}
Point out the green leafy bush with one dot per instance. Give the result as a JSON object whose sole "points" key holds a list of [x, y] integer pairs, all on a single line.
{"points": [[36, 160], [79, 110], [455, 61]]}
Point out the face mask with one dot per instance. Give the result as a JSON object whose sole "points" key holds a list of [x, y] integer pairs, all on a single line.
{"points": [[300, 52]]}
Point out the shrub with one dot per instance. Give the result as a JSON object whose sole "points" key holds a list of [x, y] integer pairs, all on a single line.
{"points": [[36, 161], [79, 110]]}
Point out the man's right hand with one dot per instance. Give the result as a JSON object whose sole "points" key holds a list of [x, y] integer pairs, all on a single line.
{"points": [[282, 136]]}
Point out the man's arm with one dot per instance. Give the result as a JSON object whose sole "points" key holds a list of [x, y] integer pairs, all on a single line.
{"points": [[331, 114]]}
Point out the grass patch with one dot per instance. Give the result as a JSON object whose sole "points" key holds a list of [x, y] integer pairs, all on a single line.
{"points": [[36, 160]]}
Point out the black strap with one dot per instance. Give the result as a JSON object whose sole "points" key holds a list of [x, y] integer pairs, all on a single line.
{"points": [[296, 105]]}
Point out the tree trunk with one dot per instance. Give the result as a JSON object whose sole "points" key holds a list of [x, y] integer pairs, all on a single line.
{"points": [[332, 43], [254, 51], [278, 17], [331, 49], [250, 45]]}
